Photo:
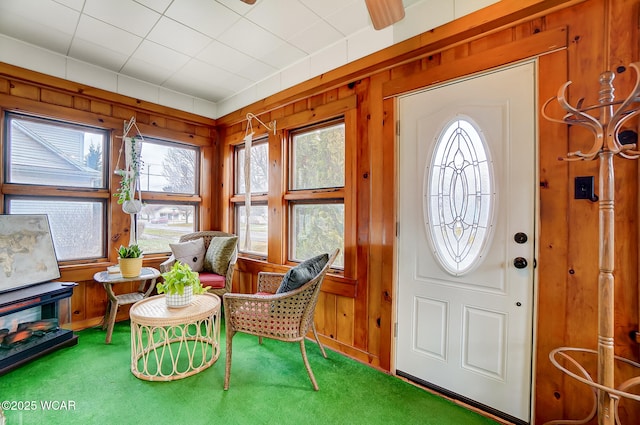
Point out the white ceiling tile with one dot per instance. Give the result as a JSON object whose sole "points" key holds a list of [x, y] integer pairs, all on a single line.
{"points": [[207, 16], [234, 61], [256, 71], [249, 39], [201, 107], [101, 34], [464, 7], [326, 8], [176, 100], [73, 4], [283, 18], [219, 54], [97, 55], [138, 89], [51, 29], [124, 14], [422, 17], [159, 6], [296, 73], [156, 55], [25, 55], [316, 37], [328, 59], [92, 75], [143, 71], [240, 7], [178, 37], [281, 55], [368, 41], [352, 18], [197, 73], [269, 86], [49, 39]]}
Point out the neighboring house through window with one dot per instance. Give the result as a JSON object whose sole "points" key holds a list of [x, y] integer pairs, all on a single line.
{"points": [[58, 168]]}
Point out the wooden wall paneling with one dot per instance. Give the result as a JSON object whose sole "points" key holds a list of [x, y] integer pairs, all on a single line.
{"points": [[534, 45], [56, 98], [389, 218], [379, 144], [329, 309], [622, 18], [78, 310], [345, 323], [210, 205], [275, 202], [363, 223], [622, 50], [585, 64], [351, 193], [553, 269], [320, 314]]}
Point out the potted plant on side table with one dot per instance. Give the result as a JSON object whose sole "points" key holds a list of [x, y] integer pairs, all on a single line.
{"points": [[130, 260], [179, 284]]}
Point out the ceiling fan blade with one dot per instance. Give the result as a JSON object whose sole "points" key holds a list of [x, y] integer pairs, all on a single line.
{"points": [[249, 1], [384, 12]]}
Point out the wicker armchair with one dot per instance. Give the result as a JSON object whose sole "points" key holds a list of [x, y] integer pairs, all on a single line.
{"points": [[207, 235], [286, 316]]}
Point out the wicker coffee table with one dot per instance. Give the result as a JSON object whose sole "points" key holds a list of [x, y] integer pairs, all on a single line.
{"points": [[173, 343]]}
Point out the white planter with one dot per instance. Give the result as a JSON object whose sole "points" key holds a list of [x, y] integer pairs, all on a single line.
{"points": [[179, 301]]}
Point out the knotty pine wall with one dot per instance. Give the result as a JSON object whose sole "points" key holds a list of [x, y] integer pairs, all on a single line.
{"points": [[574, 40]]}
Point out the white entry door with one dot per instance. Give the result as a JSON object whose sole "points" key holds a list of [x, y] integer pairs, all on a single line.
{"points": [[466, 238]]}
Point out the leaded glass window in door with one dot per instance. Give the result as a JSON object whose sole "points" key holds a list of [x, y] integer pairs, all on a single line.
{"points": [[459, 196]]}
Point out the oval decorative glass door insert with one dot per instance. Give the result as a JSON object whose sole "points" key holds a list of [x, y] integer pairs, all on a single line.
{"points": [[459, 196]]}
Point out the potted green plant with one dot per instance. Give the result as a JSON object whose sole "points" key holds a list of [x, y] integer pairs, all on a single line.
{"points": [[179, 284], [130, 260]]}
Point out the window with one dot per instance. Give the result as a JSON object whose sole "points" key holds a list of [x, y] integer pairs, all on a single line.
{"points": [[168, 169], [459, 197], [59, 169], [257, 224], [316, 191]]}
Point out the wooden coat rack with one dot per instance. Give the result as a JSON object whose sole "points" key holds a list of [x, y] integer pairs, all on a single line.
{"points": [[606, 128]]}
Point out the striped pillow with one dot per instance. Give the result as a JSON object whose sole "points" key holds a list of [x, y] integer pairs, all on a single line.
{"points": [[219, 254]]}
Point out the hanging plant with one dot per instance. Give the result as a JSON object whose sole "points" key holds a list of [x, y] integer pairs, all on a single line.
{"points": [[130, 176]]}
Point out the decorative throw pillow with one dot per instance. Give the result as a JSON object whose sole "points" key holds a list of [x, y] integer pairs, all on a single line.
{"points": [[302, 273], [190, 252], [219, 254]]}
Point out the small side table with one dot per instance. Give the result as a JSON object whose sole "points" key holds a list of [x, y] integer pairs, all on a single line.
{"points": [[147, 276], [173, 343]]}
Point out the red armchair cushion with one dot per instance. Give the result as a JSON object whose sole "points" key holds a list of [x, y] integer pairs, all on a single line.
{"points": [[215, 281]]}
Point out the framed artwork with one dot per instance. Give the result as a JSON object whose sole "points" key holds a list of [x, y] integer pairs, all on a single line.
{"points": [[27, 255]]}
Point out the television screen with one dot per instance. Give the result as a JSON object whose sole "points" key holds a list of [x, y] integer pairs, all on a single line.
{"points": [[27, 255]]}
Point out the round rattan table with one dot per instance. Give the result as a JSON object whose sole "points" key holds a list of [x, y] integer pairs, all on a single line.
{"points": [[173, 343]]}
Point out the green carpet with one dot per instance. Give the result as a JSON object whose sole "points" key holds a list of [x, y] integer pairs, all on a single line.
{"points": [[91, 383]]}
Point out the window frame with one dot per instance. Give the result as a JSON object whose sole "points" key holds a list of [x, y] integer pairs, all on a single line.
{"points": [[257, 198], [30, 191], [320, 195], [175, 198]]}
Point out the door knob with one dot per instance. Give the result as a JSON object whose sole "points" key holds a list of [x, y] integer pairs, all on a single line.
{"points": [[520, 237], [520, 263]]}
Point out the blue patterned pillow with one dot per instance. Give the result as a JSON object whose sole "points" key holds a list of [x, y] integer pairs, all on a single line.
{"points": [[302, 273]]}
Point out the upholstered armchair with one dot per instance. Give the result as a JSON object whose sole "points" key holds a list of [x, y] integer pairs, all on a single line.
{"points": [[281, 309], [216, 265]]}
